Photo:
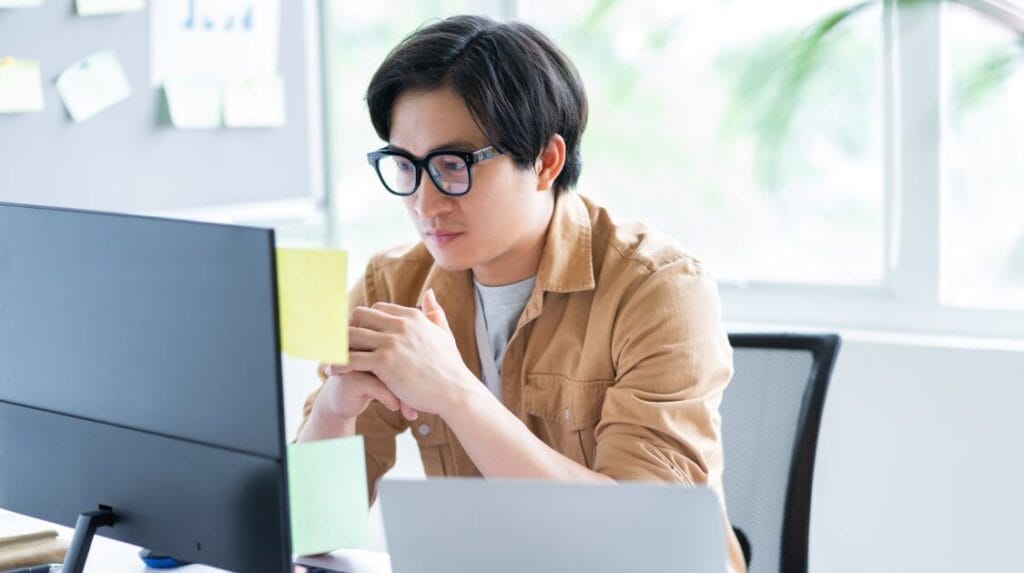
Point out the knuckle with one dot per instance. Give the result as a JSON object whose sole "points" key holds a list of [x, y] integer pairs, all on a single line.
{"points": [[355, 315], [403, 327]]}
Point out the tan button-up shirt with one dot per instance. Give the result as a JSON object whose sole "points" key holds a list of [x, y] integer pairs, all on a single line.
{"points": [[618, 361]]}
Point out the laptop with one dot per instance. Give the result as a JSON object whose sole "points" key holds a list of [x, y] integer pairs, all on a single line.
{"points": [[514, 526]]}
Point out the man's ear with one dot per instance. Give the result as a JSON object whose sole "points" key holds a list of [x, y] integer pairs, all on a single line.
{"points": [[550, 162]]}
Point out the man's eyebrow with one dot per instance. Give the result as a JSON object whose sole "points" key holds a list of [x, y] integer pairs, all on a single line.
{"points": [[391, 147], [458, 145], [454, 145]]}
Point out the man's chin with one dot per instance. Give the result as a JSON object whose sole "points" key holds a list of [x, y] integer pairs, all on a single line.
{"points": [[450, 263]]}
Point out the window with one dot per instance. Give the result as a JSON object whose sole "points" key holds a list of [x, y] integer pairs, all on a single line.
{"points": [[982, 261], [725, 125]]}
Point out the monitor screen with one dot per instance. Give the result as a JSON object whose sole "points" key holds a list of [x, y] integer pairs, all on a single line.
{"points": [[140, 371]]}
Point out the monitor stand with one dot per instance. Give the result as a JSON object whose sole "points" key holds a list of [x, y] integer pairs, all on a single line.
{"points": [[85, 529]]}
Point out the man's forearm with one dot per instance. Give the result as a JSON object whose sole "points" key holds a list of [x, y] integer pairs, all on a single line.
{"points": [[501, 446]]}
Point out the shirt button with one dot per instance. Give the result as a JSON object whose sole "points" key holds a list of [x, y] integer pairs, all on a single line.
{"points": [[565, 414], [423, 429]]}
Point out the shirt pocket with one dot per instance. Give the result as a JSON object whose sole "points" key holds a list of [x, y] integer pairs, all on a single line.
{"points": [[435, 446], [564, 412]]}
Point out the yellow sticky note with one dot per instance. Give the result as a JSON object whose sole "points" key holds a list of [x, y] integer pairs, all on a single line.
{"points": [[21, 85], [93, 85], [327, 495], [194, 103], [254, 102], [101, 7], [312, 301]]}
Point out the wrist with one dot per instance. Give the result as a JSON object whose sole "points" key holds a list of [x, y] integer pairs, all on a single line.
{"points": [[324, 423], [461, 396]]}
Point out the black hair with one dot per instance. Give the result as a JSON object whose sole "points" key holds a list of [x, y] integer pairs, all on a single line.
{"points": [[519, 86]]}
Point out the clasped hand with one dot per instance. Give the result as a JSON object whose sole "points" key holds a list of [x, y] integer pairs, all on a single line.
{"points": [[404, 357]]}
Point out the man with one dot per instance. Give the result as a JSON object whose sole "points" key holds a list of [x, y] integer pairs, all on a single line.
{"points": [[526, 335]]}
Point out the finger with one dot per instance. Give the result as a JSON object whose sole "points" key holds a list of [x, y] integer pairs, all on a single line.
{"points": [[353, 310], [432, 309], [333, 370], [374, 319], [340, 370], [370, 385], [364, 338], [358, 361], [408, 412], [395, 309]]}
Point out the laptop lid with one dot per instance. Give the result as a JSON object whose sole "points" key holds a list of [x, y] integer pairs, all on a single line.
{"points": [[499, 526]]}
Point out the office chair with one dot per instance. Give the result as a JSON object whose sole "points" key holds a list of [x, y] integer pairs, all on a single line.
{"points": [[771, 413]]}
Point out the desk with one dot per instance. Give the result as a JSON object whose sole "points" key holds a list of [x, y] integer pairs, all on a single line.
{"points": [[111, 556]]}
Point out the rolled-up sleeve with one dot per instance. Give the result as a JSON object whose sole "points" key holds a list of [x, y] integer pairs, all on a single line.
{"points": [[660, 420]]}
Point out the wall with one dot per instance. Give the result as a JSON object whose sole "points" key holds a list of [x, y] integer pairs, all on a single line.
{"points": [[920, 464]]}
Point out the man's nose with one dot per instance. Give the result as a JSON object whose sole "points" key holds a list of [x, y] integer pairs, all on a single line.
{"points": [[429, 201]]}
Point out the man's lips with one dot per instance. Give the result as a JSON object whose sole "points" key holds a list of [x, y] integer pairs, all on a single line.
{"points": [[442, 235]]}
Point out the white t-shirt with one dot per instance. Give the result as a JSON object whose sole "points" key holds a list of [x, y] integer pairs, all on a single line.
{"points": [[498, 311]]}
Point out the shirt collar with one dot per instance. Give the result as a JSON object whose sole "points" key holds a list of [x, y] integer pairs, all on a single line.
{"points": [[567, 264]]}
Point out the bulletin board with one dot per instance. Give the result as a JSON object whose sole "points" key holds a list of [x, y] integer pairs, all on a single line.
{"points": [[130, 158]]}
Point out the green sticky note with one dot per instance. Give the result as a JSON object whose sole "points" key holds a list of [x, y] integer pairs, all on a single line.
{"points": [[21, 85], [194, 103], [254, 102], [92, 85], [327, 494], [312, 301]]}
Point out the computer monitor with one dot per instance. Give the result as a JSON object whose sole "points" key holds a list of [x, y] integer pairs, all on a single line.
{"points": [[140, 381]]}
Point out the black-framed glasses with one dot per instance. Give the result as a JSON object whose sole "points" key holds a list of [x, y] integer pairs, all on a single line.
{"points": [[450, 171]]}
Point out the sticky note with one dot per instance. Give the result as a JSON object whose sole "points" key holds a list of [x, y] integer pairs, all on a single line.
{"points": [[101, 7], [21, 85], [194, 103], [327, 495], [93, 85], [312, 301], [19, 3], [254, 102]]}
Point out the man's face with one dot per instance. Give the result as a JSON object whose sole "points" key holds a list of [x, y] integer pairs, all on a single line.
{"points": [[497, 228]]}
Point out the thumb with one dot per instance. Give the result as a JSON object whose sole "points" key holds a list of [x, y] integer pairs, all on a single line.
{"points": [[433, 309]]}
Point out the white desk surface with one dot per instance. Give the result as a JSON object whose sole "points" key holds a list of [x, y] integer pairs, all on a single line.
{"points": [[111, 556]]}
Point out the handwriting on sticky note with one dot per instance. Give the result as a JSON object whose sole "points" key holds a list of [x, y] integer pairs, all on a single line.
{"points": [[92, 85], [21, 85], [313, 304], [327, 495]]}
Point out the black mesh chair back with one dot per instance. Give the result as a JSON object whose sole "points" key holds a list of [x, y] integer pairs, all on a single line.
{"points": [[771, 413]]}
